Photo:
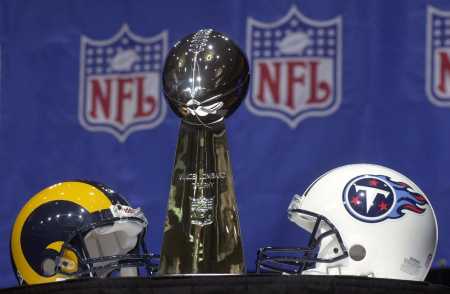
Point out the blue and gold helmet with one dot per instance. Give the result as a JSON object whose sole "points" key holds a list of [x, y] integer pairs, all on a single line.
{"points": [[78, 229]]}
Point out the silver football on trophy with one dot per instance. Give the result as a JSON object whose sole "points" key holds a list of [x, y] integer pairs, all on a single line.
{"points": [[205, 77]]}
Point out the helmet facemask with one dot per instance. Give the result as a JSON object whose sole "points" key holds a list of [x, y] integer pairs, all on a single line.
{"points": [[112, 246], [325, 245]]}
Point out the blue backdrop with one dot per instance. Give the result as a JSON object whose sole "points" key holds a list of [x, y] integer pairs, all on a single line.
{"points": [[334, 82]]}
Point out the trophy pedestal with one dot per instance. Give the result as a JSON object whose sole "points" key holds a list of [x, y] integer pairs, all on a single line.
{"points": [[202, 233]]}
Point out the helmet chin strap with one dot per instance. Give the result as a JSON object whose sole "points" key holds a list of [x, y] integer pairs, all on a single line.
{"points": [[312, 272], [333, 271], [131, 271]]}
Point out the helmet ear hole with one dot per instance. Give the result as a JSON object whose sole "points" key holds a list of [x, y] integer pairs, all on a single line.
{"points": [[357, 252]]}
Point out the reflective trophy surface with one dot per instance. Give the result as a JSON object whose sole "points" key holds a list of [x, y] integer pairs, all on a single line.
{"points": [[205, 78]]}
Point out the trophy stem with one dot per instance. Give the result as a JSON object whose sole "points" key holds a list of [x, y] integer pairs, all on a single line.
{"points": [[202, 232]]}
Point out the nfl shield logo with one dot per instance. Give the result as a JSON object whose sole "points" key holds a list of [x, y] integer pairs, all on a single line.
{"points": [[438, 57], [120, 83], [296, 66]]}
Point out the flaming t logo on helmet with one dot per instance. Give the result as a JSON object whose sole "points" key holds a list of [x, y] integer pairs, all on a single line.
{"points": [[374, 198]]}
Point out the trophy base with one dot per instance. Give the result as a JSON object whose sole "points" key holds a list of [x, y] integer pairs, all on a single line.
{"points": [[202, 233]]}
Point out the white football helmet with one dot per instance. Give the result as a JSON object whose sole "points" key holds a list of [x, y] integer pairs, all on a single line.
{"points": [[364, 220]]}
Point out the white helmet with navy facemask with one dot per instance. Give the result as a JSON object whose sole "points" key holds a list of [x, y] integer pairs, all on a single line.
{"points": [[364, 220]]}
